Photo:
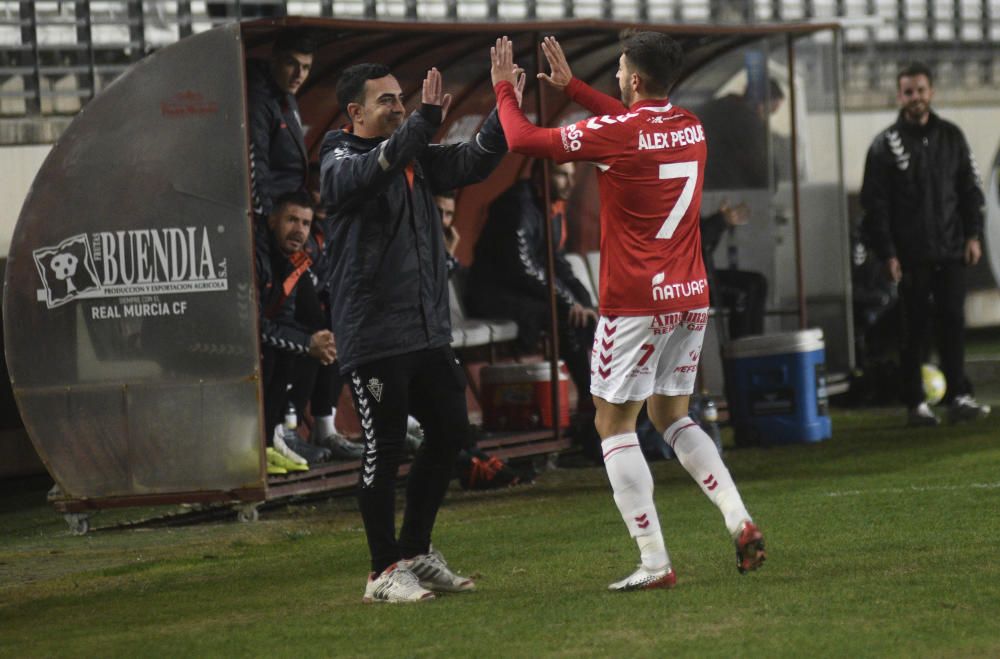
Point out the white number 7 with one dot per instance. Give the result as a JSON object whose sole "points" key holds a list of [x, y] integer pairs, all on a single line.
{"points": [[685, 170]]}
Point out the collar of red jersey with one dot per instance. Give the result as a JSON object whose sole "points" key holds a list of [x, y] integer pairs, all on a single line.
{"points": [[652, 105]]}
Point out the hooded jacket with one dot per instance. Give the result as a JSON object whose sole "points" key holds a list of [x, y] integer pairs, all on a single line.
{"points": [[279, 278], [278, 156], [389, 278], [921, 193]]}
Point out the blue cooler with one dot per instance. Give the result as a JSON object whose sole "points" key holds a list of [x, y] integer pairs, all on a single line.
{"points": [[776, 386]]}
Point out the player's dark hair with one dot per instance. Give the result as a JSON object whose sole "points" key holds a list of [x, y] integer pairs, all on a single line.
{"points": [[656, 57], [447, 194], [351, 85], [915, 69], [296, 198], [294, 41]]}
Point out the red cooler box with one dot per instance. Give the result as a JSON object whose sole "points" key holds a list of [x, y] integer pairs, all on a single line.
{"points": [[518, 396]]}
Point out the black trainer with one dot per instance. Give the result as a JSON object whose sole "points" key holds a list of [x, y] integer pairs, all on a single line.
{"points": [[965, 408], [313, 454]]}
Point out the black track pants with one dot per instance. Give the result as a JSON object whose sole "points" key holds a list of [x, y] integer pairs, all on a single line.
{"points": [[933, 298], [430, 385]]}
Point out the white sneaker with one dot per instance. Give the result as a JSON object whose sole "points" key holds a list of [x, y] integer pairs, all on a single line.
{"points": [[278, 442], [434, 574], [645, 579], [396, 584], [921, 416]]}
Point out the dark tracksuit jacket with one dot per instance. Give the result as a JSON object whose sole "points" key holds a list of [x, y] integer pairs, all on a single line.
{"points": [[921, 194], [388, 285], [278, 279], [278, 156]]}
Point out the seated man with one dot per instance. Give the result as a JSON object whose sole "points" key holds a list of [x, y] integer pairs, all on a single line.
{"points": [[741, 292], [294, 341], [278, 156], [445, 203], [508, 278]]}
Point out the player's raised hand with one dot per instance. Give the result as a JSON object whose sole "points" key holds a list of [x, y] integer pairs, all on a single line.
{"points": [[502, 65], [432, 91], [560, 72]]}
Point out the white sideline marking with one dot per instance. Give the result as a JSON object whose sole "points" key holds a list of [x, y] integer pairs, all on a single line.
{"points": [[915, 488]]}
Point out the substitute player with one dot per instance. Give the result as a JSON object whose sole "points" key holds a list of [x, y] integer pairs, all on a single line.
{"points": [[650, 158]]}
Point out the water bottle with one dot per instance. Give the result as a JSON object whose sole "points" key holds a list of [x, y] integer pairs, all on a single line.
{"points": [[709, 411], [291, 418], [710, 422]]}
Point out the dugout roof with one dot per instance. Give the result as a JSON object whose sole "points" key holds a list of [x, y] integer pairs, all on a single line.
{"points": [[461, 52]]}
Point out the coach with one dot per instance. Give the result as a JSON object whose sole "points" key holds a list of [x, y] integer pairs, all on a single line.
{"points": [[390, 309], [923, 216]]}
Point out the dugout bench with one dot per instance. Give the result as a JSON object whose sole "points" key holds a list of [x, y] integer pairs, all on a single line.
{"points": [[130, 310]]}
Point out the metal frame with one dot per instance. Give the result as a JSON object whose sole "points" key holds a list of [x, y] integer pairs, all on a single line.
{"points": [[865, 53]]}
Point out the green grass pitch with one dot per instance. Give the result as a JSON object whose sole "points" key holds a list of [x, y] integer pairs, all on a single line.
{"points": [[881, 542]]}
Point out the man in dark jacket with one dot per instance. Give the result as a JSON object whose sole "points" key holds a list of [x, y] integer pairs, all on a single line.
{"points": [[742, 292], [278, 156], [509, 275], [297, 347], [294, 341], [389, 296], [923, 208], [737, 130]]}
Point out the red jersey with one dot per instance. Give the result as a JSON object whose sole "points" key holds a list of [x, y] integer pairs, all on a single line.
{"points": [[651, 163]]}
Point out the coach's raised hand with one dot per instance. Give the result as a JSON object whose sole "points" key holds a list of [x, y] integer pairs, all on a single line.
{"points": [[502, 65], [432, 92], [560, 74]]}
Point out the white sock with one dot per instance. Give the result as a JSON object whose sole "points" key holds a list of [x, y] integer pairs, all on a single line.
{"points": [[632, 485], [653, 552], [698, 455], [324, 426]]}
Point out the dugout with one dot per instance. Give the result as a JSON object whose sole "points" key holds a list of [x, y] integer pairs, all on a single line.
{"points": [[129, 309]]}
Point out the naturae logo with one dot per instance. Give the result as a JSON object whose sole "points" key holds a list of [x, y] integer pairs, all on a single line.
{"points": [[125, 263], [67, 270]]}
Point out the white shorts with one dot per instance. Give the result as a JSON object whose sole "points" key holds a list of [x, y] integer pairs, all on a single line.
{"points": [[635, 357]]}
